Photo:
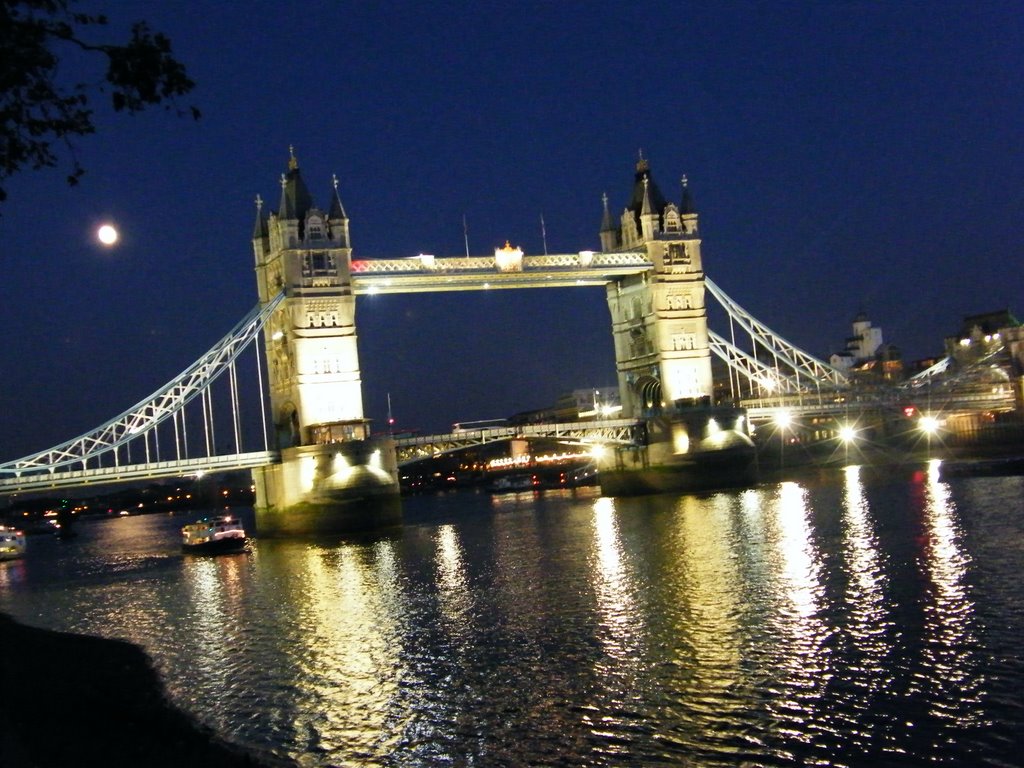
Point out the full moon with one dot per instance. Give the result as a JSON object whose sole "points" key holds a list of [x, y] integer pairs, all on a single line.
{"points": [[107, 234]]}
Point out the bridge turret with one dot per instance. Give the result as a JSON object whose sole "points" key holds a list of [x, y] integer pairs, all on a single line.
{"points": [[649, 218], [337, 218], [260, 233], [261, 252], [687, 210], [659, 318], [296, 203], [609, 235]]}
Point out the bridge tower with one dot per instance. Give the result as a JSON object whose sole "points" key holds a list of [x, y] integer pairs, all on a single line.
{"points": [[662, 354], [659, 318], [333, 475]]}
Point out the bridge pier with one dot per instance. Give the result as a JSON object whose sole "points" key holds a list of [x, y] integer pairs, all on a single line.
{"points": [[342, 487], [688, 448]]}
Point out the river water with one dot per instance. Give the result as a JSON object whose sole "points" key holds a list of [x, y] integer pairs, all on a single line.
{"points": [[857, 617]]}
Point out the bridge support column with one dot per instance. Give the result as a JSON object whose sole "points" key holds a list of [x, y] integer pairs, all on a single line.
{"points": [[333, 476], [663, 357], [334, 488], [688, 449]]}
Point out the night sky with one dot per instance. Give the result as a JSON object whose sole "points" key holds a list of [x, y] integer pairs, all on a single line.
{"points": [[843, 157]]}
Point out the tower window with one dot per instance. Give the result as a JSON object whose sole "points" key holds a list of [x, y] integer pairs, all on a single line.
{"points": [[677, 254], [314, 228], [318, 264]]}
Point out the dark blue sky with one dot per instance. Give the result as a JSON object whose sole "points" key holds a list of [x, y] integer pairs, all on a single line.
{"points": [[843, 156]]}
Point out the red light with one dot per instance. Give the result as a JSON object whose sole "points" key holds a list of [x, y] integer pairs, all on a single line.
{"points": [[909, 411]]}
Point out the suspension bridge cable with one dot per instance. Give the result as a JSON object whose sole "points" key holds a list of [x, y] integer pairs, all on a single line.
{"points": [[149, 413]]}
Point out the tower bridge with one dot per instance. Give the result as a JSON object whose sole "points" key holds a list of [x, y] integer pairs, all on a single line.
{"points": [[316, 463]]}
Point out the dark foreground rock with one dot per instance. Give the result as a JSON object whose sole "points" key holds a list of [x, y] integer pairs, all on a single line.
{"points": [[70, 700]]}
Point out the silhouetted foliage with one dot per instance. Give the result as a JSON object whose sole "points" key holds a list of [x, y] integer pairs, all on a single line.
{"points": [[39, 109]]}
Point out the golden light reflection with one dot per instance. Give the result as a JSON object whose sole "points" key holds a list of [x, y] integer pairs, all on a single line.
{"points": [[714, 595], [866, 590], [215, 584], [12, 572], [801, 571], [802, 650], [950, 615], [621, 633], [453, 590], [350, 657]]}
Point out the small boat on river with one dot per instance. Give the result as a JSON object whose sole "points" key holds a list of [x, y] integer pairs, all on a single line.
{"points": [[12, 543], [513, 484], [213, 535]]}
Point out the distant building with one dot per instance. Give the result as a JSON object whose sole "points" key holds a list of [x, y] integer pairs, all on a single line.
{"points": [[578, 405], [866, 356], [982, 335], [596, 403], [861, 346], [982, 327]]}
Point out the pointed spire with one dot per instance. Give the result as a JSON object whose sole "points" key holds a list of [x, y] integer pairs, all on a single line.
{"points": [[606, 217], [295, 198], [284, 209], [644, 184], [641, 164], [261, 229], [687, 203], [645, 209], [337, 209]]}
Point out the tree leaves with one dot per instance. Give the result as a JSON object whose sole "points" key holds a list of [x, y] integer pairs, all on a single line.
{"points": [[37, 111]]}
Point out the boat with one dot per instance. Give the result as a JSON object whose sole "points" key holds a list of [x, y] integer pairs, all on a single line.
{"points": [[213, 535], [513, 484], [12, 543]]}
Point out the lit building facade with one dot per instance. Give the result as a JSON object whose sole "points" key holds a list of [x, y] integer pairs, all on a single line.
{"points": [[659, 318], [329, 459]]}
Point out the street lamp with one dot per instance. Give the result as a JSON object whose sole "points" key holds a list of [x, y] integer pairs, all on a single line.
{"points": [[929, 425], [847, 434], [783, 419]]}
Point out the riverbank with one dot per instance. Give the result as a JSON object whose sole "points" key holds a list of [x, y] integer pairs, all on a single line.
{"points": [[75, 700]]}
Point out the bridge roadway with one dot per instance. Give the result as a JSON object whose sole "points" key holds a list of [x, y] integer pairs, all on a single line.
{"points": [[421, 274], [409, 449], [42, 480], [619, 431], [851, 403]]}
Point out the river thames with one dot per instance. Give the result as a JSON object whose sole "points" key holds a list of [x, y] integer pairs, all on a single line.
{"points": [[850, 618]]}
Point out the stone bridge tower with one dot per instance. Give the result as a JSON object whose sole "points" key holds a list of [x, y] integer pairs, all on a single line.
{"points": [[330, 463], [659, 318]]}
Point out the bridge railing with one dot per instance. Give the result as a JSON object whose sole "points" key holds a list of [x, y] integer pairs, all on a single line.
{"points": [[68, 478], [425, 264], [620, 431]]}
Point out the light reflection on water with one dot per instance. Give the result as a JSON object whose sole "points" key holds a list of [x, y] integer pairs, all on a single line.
{"points": [[950, 640], [846, 620]]}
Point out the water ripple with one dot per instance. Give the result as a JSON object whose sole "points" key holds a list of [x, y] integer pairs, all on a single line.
{"points": [[843, 621]]}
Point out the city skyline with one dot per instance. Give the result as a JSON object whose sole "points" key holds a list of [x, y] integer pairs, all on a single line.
{"points": [[847, 158]]}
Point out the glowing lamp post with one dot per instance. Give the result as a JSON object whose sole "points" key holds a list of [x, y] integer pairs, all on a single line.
{"points": [[847, 434], [782, 420], [929, 425]]}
